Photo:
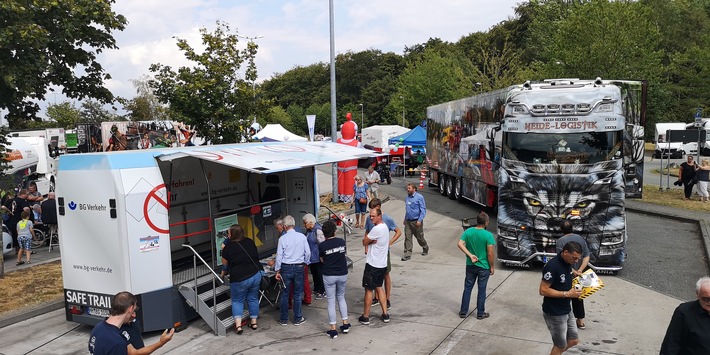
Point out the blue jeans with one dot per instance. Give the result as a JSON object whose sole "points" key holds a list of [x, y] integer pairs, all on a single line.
{"points": [[474, 272], [335, 292], [291, 275], [245, 290]]}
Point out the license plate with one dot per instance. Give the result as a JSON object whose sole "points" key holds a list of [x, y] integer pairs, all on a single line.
{"points": [[99, 312]]}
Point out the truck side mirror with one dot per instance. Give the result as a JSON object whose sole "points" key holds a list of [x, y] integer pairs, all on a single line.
{"points": [[637, 132]]}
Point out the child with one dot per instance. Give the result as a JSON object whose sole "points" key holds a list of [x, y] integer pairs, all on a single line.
{"points": [[25, 233]]}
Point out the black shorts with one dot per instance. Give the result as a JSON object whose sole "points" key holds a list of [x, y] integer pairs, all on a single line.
{"points": [[373, 277]]}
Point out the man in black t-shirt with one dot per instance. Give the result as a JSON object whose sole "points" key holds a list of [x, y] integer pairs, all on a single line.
{"points": [[556, 287], [15, 207]]}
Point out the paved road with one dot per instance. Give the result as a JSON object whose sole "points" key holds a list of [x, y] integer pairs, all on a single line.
{"points": [[656, 246], [426, 296]]}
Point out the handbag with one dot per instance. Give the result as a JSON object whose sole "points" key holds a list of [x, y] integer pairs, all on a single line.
{"points": [[363, 200], [265, 282]]}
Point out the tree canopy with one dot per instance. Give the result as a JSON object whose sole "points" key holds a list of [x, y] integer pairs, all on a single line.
{"points": [[45, 43], [211, 96]]}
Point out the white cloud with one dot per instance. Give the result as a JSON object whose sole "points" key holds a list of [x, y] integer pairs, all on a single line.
{"points": [[294, 32]]}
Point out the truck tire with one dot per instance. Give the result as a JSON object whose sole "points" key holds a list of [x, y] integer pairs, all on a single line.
{"points": [[450, 189], [458, 190], [442, 184]]}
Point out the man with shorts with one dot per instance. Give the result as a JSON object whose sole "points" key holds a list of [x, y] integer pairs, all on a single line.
{"points": [[578, 268], [556, 288], [376, 203], [377, 242]]}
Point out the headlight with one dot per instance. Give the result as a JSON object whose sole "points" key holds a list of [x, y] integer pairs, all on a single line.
{"points": [[604, 108]]}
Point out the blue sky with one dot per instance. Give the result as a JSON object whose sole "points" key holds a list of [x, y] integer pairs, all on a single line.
{"points": [[294, 32]]}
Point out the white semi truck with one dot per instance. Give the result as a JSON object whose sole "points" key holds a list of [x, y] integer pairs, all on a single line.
{"points": [[543, 153], [30, 160]]}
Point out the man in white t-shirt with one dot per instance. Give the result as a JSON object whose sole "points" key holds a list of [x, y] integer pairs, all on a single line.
{"points": [[377, 242]]}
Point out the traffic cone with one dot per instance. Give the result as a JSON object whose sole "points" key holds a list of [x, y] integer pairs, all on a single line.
{"points": [[421, 183]]}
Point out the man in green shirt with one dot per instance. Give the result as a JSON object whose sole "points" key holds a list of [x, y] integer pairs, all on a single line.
{"points": [[478, 244]]}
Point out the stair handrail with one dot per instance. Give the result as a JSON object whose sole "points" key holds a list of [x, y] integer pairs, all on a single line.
{"points": [[214, 285], [346, 227]]}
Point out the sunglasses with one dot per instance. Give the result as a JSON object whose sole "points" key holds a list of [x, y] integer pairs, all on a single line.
{"points": [[705, 299]]}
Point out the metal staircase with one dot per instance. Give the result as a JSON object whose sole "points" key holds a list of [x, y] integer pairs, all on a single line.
{"points": [[207, 293]]}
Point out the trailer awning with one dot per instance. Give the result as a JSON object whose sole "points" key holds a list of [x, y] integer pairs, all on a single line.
{"points": [[271, 157]]}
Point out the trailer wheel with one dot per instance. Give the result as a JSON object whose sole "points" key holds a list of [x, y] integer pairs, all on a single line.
{"points": [[450, 187], [458, 189], [442, 184]]}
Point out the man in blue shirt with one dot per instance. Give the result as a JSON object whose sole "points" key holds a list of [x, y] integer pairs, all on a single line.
{"points": [[292, 254], [556, 287], [107, 338], [415, 211]]}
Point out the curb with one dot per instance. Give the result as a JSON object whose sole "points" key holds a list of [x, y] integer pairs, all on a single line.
{"points": [[39, 310]]}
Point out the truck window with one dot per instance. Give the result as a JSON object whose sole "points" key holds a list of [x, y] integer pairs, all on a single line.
{"points": [[567, 148]]}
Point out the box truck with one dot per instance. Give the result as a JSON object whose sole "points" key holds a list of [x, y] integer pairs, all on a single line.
{"points": [[152, 221]]}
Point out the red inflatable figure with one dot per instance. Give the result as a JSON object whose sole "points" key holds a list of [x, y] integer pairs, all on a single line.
{"points": [[347, 170]]}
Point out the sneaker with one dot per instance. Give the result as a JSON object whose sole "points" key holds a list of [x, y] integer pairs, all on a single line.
{"points": [[483, 316], [375, 301], [425, 252], [406, 258], [386, 318], [462, 314], [389, 305], [345, 328], [364, 320], [299, 321], [333, 333], [320, 296], [283, 322], [19, 263]]}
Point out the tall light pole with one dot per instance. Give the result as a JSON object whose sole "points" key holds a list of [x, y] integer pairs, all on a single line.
{"points": [[333, 118], [362, 120], [253, 81]]}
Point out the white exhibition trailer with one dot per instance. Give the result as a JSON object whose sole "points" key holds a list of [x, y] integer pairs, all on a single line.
{"points": [[124, 218]]}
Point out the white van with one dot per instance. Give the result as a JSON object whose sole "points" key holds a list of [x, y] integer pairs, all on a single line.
{"points": [[663, 148]]}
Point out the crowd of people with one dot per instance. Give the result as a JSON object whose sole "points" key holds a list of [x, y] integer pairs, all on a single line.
{"points": [[25, 211], [316, 248]]}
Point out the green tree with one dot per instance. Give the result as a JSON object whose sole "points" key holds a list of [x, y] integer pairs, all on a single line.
{"points": [[436, 77], [48, 42], [145, 106], [64, 114], [609, 39], [210, 96], [93, 112]]}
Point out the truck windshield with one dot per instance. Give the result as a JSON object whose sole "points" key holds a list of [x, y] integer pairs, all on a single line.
{"points": [[562, 148]]}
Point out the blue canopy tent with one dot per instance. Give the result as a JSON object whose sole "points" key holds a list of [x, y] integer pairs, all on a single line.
{"points": [[413, 138]]}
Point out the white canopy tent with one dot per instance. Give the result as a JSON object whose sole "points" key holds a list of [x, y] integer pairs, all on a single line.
{"points": [[276, 132]]}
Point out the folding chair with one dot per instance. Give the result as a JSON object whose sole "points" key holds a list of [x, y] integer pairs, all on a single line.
{"points": [[276, 286]]}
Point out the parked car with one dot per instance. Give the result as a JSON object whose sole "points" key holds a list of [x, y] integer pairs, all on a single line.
{"points": [[7, 247]]}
